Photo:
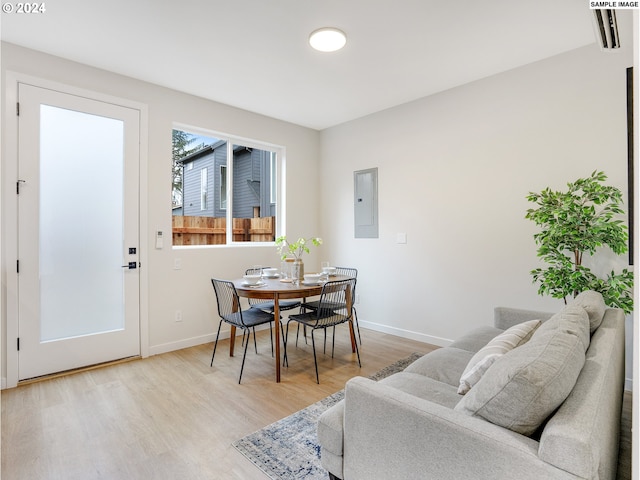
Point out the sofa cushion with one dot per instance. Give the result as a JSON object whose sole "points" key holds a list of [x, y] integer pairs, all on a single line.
{"points": [[424, 387], [331, 428], [498, 346], [331, 462], [331, 422], [593, 303], [524, 386], [443, 365], [476, 338]]}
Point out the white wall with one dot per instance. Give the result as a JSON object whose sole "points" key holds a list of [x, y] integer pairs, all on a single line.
{"points": [[188, 289], [454, 171]]}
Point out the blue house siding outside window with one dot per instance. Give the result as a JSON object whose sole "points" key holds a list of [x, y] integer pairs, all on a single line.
{"points": [[193, 172], [251, 182]]}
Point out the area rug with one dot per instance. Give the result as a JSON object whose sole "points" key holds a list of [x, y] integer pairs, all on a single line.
{"points": [[288, 449]]}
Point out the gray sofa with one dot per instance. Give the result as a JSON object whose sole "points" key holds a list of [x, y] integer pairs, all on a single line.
{"points": [[549, 408]]}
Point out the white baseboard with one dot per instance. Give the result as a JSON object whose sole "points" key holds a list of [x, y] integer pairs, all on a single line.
{"points": [[191, 342], [3, 384], [185, 343], [399, 332]]}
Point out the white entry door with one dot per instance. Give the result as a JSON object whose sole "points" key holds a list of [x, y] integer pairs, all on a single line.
{"points": [[78, 209]]}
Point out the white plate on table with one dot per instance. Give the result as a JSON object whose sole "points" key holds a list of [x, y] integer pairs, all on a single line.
{"points": [[259, 284], [310, 284], [272, 276]]}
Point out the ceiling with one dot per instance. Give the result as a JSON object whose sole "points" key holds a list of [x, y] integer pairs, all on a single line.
{"points": [[253, 54]]}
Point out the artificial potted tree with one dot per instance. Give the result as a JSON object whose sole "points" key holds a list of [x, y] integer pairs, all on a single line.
{"points": [[580, 220]]}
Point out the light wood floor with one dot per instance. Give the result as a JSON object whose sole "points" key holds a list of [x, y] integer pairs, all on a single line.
{"points": [[171, 416]]}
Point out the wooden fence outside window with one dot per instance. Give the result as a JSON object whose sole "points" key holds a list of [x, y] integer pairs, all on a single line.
{"points": [[213, 230]]}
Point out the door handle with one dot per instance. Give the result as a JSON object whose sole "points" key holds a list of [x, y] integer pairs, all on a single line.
{"points": [[131, 265]]}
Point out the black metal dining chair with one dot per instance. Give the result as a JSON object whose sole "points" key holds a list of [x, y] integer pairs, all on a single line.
{"points": [[230, 312], [332, 309], [347, 272]]}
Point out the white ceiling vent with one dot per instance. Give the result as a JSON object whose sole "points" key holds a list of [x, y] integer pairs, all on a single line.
{"points": [[606, 29]]}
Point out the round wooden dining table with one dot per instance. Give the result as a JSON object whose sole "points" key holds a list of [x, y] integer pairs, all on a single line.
{"points": [[277, 289]]}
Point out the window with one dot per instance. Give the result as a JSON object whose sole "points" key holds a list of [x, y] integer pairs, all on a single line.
{"points": [[244, 184]]}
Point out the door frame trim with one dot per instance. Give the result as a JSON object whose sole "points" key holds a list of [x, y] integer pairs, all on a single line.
{"points": [[9, 203]]}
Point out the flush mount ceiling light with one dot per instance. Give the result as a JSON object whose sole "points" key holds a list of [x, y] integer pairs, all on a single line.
{"points": [[327, 39]]}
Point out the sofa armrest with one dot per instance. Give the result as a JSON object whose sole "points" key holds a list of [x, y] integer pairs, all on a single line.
{"points": [[392, 434], [505, 317], [582, 436]]}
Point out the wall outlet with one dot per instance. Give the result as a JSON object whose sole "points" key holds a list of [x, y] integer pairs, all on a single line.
{"points": [[178, 315], [357, 298]]}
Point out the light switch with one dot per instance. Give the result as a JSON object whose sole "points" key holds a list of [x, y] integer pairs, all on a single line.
{"points": [[159, 239], [401, 238]]}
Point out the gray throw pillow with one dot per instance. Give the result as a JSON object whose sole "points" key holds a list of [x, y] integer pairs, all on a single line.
{"points": [[567, 318], [485, 357], [524, 386], [593, 303]]}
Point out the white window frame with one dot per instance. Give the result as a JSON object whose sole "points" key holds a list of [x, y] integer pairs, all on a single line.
{"points": [[274, 177], [223, 193], [278, 151], [204, 187]]}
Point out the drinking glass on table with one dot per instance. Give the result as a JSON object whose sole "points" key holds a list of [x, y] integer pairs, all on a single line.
{"points": [[257, 270], [324, 268]]}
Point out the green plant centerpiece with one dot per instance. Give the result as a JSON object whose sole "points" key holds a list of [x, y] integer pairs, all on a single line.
{"points": [[578, 221], [296, 250]]}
